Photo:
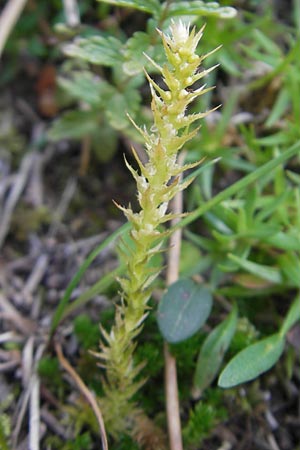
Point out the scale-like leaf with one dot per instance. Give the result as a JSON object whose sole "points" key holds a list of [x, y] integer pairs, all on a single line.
{"points": [[183, 310], [252, 361], [213, 350]]}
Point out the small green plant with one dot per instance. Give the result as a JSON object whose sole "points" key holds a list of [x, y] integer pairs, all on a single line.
{"points": [[157, 183]]}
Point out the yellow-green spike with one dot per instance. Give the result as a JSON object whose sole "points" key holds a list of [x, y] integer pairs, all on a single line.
{"points": [[158, 180]]}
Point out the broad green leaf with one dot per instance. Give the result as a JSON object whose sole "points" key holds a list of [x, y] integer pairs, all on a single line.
{"points": [[213, 350], [252, 361], [84, 86], [200, 8], [97, 50], [136, 46], [292, 317], [74, 125], [119, 104], [134, 53], [150, 6], [183, 310], [104, 142], [271, 274]]}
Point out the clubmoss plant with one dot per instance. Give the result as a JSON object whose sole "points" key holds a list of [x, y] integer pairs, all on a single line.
{"points": [[157, 182]]}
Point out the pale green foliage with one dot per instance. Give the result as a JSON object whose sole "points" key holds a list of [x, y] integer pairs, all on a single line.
{"points": [[157, 183]]}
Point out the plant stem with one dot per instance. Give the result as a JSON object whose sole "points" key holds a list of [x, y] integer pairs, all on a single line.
{"points": [[9, 16], [171, 385]]}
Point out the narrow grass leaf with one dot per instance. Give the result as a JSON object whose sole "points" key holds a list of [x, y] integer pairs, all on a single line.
{"points": [[290, 266], [240, 185], [292, 317], [60, 310], [271, 274]]}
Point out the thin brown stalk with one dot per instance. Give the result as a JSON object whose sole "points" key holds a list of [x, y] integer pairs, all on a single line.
{"points": [[10, 14], [85, 392], [171, 385], [85, 155], [71, 13], [7, 310]]}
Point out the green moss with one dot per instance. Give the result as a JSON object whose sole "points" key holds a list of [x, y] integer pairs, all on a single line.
{"points": [[5, 431], [245, 335], [125, 443], [204, 418], [81, 442], [186, 355], [87, 333], [49, 369]]}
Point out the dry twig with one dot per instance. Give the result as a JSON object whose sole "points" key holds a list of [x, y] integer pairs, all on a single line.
{"points": [[10, 312], [8, 19], [61, 209], [85, 392], [35, 277], [16, 191], [71, 13]]}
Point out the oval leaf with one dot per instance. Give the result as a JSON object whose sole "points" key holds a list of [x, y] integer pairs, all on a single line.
{"points": [[98, 50], [213, 350], [183, 310], [252, 361]]}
